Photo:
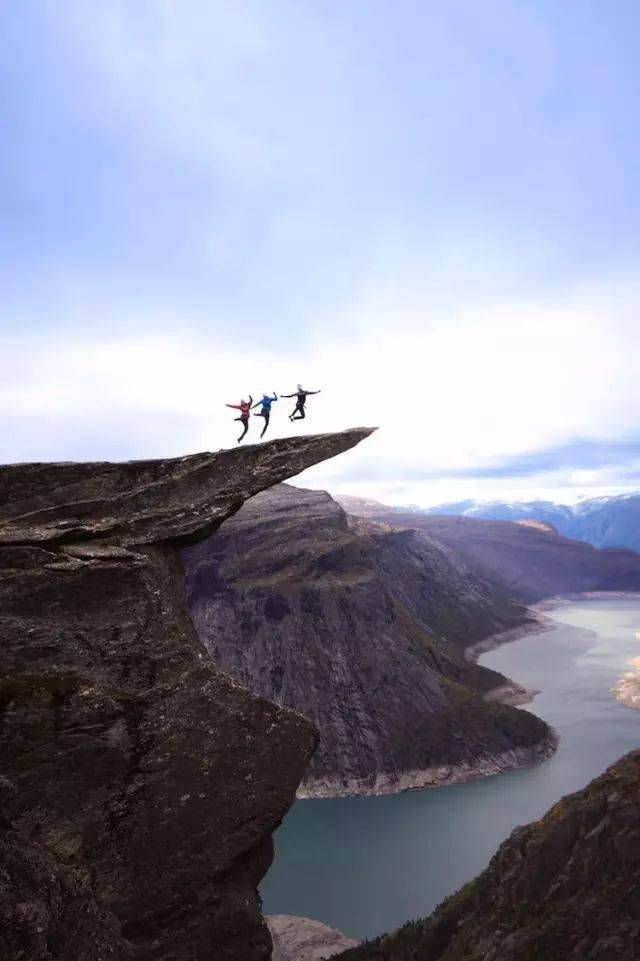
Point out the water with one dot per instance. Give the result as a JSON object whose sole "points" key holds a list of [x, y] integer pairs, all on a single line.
{"points": [[366, 865]]}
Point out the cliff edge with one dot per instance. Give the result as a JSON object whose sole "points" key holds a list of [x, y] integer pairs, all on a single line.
{"points": [[140, 785]]}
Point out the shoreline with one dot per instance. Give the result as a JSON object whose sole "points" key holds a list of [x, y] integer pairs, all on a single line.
{"points": [[627, 691], [444, 775]]}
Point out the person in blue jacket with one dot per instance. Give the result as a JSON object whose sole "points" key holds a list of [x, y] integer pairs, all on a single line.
{"points": [[266, 402]]}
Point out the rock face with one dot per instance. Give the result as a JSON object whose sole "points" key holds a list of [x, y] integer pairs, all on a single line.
{"points": [[523, 561], [140, 784], [565, 887], [303, 939], [362, 629]]}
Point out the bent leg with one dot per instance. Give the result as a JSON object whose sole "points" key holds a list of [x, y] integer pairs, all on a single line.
{"points": [[266, 424], [245, 423], [300, 412]]}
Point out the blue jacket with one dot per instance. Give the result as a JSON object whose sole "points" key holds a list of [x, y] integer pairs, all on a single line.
{"points": [[266, 402]]}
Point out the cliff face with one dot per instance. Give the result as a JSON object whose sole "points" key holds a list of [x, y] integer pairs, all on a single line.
{"points": [[361, 628], [140, 785], [523, 561], [565, 887]]}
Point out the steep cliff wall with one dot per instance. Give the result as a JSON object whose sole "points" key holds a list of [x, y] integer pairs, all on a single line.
{"points": [[140, 785], [566, 887], [362, 629]]}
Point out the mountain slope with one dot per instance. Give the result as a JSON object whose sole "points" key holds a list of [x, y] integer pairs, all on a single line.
{"points": [[525, 561], [565, 887], [362, 629], [601, 521], [140, 785]]}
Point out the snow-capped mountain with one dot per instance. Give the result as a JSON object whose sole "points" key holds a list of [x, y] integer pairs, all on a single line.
{"points": [[602, 521]]}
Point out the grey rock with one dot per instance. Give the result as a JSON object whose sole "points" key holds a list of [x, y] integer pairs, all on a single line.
{"points": [[140, 785], [303, 939]]}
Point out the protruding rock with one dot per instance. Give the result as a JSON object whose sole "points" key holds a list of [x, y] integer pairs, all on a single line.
{"points": [[141, 784], [181, 500]]}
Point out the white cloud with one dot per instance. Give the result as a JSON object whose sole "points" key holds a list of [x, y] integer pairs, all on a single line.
{"points": [[448, 393]]}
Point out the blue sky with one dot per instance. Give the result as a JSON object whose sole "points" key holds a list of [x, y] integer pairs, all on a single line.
{"points": [[428, 209]]}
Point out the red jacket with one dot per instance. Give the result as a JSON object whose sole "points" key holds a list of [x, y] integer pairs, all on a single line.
{"points": [[244, 407]]}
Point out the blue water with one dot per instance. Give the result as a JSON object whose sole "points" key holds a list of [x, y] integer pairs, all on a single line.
{"points": [[366, 865]]}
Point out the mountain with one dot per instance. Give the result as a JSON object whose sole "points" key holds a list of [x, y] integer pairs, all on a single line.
{"points": [[526, 561], [140, 786], [362, 628], [601, 521], [565, 887]]}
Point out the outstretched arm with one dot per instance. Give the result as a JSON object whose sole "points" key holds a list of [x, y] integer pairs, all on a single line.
{"points": [[314, 392], [250, 399], [235, 406], [288, 395]]}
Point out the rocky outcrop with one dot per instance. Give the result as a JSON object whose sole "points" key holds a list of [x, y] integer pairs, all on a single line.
{"points": [[565, 887], [362, 629], [140, 784], [303, 939]]}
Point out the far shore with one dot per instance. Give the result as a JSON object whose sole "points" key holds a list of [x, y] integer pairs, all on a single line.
{"points": [[627, 690]]}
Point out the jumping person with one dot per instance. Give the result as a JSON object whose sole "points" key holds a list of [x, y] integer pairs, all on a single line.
{"points": [[266, 402], [301, 400], [244, 407]]}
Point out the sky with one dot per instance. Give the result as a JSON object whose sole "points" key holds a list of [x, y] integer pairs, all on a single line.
{"points": [[429, 209]]}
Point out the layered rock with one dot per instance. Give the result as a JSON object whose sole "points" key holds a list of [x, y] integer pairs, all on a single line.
{"points": [[140, 784], [565, 887], [362, 629]]}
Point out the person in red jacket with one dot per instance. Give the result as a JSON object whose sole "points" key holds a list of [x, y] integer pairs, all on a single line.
{"points": [[244, 409]]}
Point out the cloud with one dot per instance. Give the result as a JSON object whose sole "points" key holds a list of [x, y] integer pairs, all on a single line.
{"points": [[586, 455], [497, 392], [421, 213]]}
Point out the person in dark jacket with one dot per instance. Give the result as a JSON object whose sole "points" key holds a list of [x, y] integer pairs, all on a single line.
{"points": [[301, 399], [266, 402], [244, 407]]}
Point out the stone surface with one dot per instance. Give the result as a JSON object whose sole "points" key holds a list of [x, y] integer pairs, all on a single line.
{"points": [[303, 939], [565, 887], [140, 784], [362, 629]]}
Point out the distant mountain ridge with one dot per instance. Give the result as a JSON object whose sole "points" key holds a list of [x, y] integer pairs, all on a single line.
{"points": [[601, 521]]}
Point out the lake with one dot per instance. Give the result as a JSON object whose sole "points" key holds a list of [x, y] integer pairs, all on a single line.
{"points": [[365, 865]]}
